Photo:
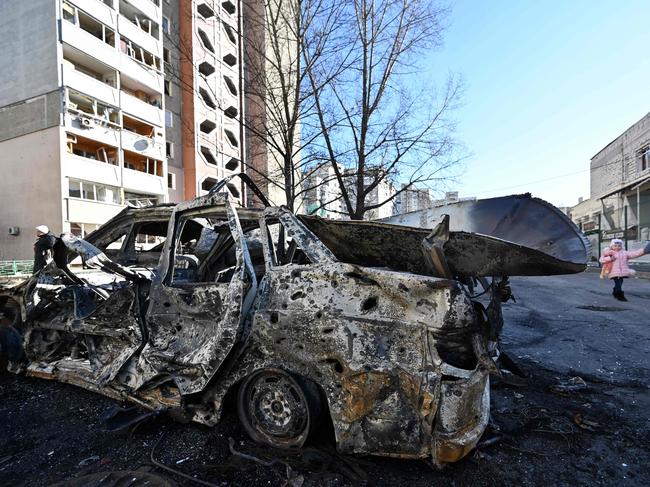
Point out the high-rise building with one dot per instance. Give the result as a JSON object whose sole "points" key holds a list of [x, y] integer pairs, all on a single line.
{"points": [[82, 124], [107, 103], [203, 95]]}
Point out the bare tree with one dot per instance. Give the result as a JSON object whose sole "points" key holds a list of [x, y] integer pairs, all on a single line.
{"points": [[278, 99], [280, 102], [377, 126]]}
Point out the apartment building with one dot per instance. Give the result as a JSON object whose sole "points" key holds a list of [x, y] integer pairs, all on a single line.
{"points": [[82, 125], [322, 193], [203, 95]]}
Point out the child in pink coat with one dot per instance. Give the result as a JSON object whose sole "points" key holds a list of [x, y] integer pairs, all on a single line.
{"points": [[616, 267]]}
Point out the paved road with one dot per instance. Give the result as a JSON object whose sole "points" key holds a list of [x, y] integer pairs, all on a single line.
{"points": [[574, 322], [560, 327]]}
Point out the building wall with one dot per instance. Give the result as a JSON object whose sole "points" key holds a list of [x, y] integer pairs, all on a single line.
{"points": [[28, 64], [618, 163], [34, 195]]}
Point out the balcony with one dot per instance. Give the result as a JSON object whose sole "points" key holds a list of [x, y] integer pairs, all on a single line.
{"points": [[91, 170], [150, 8], [87, 211], [85, 83], [146, 146], [141, 109], [139, 36], [94, 128], [99, 10], [143, 182], [88, 43], [141, 72], [143, 174]]}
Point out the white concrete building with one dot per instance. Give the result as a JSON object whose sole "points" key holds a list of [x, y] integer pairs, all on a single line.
{"points": [[81, 114], [203, 95], [619, 203], [323, 195]]}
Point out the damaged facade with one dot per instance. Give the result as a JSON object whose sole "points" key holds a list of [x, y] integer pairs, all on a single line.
{"points": [[378, 326]]}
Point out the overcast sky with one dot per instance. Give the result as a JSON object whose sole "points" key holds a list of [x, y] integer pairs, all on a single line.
{"points": [[549, 84]]}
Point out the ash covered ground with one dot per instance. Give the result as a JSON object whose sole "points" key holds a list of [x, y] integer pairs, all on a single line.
{"points": [[581, 418]]}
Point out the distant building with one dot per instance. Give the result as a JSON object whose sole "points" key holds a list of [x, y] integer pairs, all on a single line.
{"points": [[412, 199], [619, 203], [322, 195]]}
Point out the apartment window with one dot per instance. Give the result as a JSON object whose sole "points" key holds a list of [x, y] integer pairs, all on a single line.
{"points": [[86, 190], [169, 121], [644, 158], [205, 11], [168, 87], [207, 99], [139, 54], [205, 40], [228, 6], [208, 155], [166, 55], [169, 150], [165, 25], [87, 23], [140, 200], [171, 180], [82, 229]]}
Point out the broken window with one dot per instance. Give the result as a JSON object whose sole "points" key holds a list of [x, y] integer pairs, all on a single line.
{"points": [[284, 249], [168, 87], [171, 180], [141, 163], [200, 246], [89, 24], [91, 111], [138, 127], [141, 21], [139, 54], [140, 200], [90, 149]]}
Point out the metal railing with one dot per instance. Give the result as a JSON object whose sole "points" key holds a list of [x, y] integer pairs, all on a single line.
{"points": [[16, 267]]}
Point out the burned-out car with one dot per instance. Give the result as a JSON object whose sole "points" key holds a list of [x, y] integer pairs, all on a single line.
{"points": [[377, 326]]}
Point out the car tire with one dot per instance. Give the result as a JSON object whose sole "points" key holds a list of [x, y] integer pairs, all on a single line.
{"points": [[278, 408]]}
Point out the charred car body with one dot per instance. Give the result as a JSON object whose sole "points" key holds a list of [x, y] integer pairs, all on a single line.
{"points": [[373, 324]]}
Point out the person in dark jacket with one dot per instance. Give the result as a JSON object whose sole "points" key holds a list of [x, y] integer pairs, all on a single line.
{"points": [[43, 246]]}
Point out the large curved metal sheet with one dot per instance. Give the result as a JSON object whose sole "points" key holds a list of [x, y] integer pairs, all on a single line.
{"points": [[520, 219], [547, 242]]}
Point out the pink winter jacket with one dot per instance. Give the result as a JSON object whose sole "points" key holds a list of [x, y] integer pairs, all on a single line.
{"points": [[619, 261]]}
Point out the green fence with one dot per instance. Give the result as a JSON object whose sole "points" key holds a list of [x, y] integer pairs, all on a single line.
{"points": [[15, 267]]}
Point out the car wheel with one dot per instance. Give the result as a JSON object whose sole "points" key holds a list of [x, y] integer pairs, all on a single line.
{"points": [[277, 408]]}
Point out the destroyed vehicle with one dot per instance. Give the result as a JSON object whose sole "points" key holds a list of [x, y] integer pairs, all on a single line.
{"points": [[372, 325]]}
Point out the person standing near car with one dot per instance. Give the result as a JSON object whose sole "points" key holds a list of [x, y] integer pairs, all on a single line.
{"points": [[616, 259], [43, 246]]}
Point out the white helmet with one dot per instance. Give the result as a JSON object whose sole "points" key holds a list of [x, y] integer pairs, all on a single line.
{"points": [[43, 229]]}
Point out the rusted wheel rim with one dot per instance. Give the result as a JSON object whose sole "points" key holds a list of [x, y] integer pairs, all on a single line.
{"points": [[274, 409]]}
